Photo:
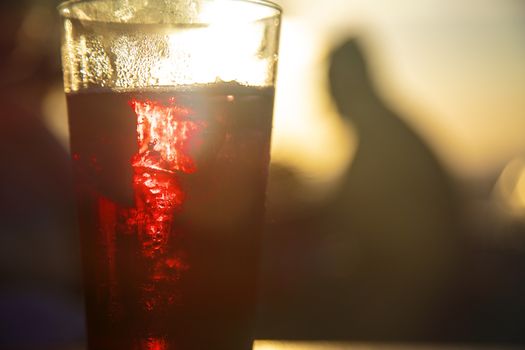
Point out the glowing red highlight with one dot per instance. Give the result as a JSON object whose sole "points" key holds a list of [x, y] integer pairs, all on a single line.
{"points": [[154, 344], [164, 132]]}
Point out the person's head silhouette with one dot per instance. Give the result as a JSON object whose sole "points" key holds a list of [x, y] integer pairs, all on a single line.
{"points": [[350, 83]]}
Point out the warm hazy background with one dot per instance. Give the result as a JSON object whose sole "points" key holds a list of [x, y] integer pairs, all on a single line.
{"points": [[454, 69], [447, 74]]}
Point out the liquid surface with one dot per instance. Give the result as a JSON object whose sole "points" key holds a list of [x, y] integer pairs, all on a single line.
{"points": [[170, 190]]}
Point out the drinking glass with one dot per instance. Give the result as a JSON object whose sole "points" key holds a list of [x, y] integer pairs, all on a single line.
{"points": [[170, 115]]}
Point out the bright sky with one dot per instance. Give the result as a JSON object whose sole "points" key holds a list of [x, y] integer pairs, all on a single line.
{"points": [[454, 69]]}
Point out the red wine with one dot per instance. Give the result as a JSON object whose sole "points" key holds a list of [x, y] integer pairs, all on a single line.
{"points": [[170, 193]]}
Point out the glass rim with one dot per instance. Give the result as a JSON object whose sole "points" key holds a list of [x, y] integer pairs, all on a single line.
{"points": [[71, 3]]}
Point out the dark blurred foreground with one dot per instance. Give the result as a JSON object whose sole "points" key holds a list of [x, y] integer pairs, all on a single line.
{"points": [[39, 284], [393, 255]]}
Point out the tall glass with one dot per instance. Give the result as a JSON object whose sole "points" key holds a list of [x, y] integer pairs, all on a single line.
{"points": [[170, 113]]}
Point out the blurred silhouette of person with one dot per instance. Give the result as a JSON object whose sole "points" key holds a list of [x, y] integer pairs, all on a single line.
{"points": [[39, 284], [402, 213], [380, 261]]}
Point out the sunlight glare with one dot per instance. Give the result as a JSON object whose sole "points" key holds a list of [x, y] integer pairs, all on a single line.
{"points": [[309, 134], [225, 50]]}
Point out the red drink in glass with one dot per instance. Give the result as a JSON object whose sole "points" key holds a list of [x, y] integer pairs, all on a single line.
{"points": [[170, 190], [170, 111]]}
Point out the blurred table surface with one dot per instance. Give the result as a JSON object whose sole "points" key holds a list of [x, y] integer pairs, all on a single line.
{"points": [[331, 345]]}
